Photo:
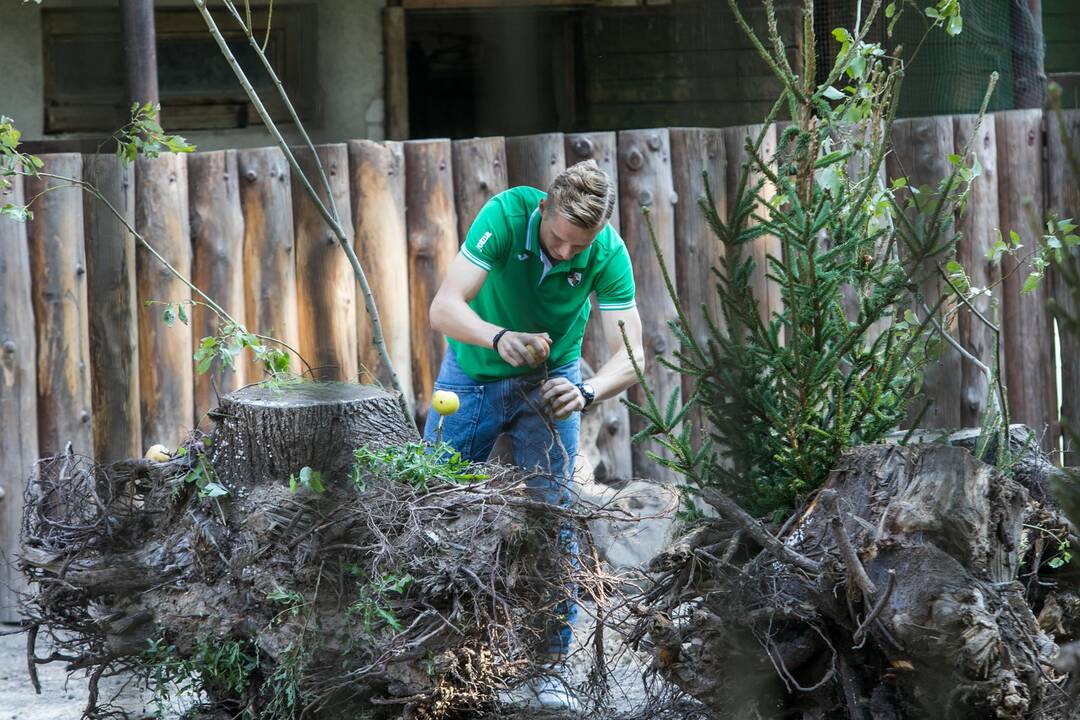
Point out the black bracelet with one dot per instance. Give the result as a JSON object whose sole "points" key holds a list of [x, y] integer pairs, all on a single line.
{"points": [[498, 336]]}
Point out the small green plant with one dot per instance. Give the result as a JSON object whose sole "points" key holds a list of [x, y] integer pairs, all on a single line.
{"points": [[373, 598], [415, 463], [142, 135], [1062, 549], [308, 478], [228, 664], [205, 479]]}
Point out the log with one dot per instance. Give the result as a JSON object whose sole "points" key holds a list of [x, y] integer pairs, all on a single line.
{"points": [[325, 284], [18, 395], [58, 262], [1063, 198], [694, 151], [217, 248], [479, 174], [534, 160], [270, 300], [1030, 372], [766, 291], [613, 461], [432, 229], [113, 309], [917, 557], [977, 226], [166, 376], [921, 154], [264, 435], [377, 173], [645, 182], [396, 73]]}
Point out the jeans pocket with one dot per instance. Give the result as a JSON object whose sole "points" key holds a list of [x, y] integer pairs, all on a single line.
{"points": [[459, 429]]}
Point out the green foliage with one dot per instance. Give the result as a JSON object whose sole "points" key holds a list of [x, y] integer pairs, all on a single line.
{"points": [[308, 478], [374, 598], [415, 463], [13, 162], [142, 135], [202, 476], [226, 664], [782, 395]]}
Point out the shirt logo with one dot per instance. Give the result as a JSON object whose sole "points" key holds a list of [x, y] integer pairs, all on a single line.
{"points": [[523, 256], [483, 240], [574, 279]]}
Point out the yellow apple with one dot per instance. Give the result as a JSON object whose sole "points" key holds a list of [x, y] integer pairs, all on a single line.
{"points": [[158, 453], [445, 402]]}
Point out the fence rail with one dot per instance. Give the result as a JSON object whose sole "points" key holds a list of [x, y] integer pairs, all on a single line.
{"points": [[85, 360]]}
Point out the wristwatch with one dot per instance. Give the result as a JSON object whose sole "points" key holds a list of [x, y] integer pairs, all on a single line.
{"points": [[587, 392]]}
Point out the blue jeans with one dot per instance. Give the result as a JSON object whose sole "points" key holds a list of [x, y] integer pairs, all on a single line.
{"points": [[513, 407]]}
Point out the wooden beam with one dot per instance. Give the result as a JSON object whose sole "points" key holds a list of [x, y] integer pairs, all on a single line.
{"points": [[395, 74], [140, 51]]}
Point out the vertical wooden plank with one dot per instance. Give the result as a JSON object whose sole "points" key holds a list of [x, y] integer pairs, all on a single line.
{"points": [[18, 395], [978, 226], [534, 160], [165, 371], [113, 310], [921, 149], [432, 240], [325, 284], [377, 173], [1030, 368], [269, 252], [395, 73], [58, 261], [1063, 198], [694, 151], [766, 291], [615, 455], [217, 250], [479, 174], [140, 51], [645, 182]]}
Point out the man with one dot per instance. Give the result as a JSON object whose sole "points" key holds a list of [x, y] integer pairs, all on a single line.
{"points": [[513, 306]]}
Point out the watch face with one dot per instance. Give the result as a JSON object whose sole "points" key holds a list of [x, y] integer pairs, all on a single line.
{"points": [[589, 392]]}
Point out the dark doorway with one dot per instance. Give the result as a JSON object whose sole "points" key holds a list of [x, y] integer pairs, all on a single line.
{"points": [[493, 72]]}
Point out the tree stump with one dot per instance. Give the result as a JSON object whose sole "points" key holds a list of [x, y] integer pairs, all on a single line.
{"points": [[265, 434], [896, 592]]}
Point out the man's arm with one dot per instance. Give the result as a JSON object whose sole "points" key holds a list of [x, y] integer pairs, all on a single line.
{"points": [[451, 315], [615, 375]]}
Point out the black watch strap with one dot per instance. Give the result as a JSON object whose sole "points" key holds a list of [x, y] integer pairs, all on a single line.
{"points": [[587, 394], [497, 338]]}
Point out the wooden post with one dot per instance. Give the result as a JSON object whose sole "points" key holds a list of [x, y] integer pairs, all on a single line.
{"points": [[432, 229], [58, 260], [921, 149], [18, 396], [479, 174], [699, 251], [377, 173], [113, 309], [615, 456], [978, 226], [1063, 198], [766, 291], [165, 371], [1026, 322], [270, 298], [140, 51], [395, 73], [217, 250], [325, 285], [645, 182], [534, 160]]}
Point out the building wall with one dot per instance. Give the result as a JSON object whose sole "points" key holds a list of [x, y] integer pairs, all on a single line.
{"points": [[685, 64], [349, 51]]}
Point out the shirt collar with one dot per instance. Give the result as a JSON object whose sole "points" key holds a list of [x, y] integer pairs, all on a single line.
{"points": [[532, 245]]}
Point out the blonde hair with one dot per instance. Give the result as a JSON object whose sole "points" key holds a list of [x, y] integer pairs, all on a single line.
{"points": [[583, 194]]}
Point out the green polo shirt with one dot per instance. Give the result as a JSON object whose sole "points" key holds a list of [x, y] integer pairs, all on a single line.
{"points": [[525, 293]]}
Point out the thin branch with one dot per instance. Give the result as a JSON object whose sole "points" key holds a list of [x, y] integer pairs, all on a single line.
{"points": [[856, 571]]}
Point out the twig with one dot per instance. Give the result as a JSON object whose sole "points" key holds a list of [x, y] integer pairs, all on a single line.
{"points": [[856, 571], [878, 607], [731, 510]]}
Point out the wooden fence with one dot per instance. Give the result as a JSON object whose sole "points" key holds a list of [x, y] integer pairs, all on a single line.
{"points": [[84, 360]]}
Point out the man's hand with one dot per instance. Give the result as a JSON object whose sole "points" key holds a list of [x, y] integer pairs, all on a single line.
{"points": [[562, 396], [520, 349]]}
